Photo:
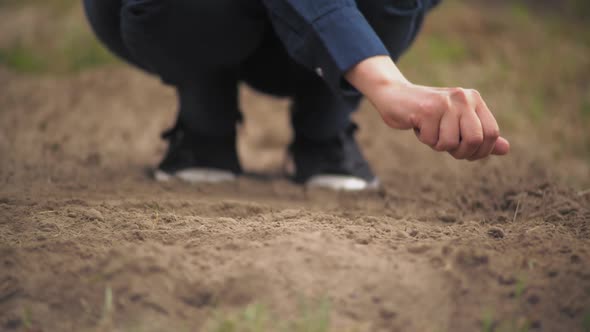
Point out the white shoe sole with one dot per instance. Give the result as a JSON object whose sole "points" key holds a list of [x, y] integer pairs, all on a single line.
{"points": [[207, 175], [341, 183], [196, 175]]}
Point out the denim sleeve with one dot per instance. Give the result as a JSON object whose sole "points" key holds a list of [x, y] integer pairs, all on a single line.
{"points": [[327, 36]]}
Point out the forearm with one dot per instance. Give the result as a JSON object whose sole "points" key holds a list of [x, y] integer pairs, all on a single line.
{"points": [[374, 73]]}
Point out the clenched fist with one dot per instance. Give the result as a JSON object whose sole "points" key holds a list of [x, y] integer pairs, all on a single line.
{"points": [[454, 120]]}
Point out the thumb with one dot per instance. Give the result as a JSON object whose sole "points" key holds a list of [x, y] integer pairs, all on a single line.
{"points": [[502, 147]]}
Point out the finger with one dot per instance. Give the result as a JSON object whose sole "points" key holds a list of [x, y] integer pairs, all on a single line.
{"points": [[471, 135], [502, 147], [449, 132], [429, 132], [490, 129]]}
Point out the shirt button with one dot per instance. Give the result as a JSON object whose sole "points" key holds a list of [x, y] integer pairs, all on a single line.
{"points": [[319, 71]]}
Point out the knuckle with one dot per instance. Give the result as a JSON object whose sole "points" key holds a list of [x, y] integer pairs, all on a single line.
{"points": [[439, 103], [457, 91], [431, 107], [446, 102], [493, 133], [474, 141], [425, 106], [460, 95]]}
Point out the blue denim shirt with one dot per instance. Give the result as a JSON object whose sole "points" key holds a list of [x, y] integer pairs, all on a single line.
{"points": [[327, 36]]}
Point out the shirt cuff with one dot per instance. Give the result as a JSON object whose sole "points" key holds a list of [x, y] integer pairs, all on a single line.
{"points": [[345, 38]]}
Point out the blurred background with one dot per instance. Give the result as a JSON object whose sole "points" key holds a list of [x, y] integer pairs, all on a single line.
{"points": [[530, 60]]}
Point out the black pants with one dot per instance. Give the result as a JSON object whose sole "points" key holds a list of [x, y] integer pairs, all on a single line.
{"points": [[205, 48]]}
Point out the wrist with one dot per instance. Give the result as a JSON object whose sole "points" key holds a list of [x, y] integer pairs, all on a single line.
{"points": [[374, 74]]}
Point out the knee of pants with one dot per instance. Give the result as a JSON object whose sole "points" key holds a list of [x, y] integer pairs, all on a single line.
{"points": [[179, 38], [104, 19], [396, 22]]}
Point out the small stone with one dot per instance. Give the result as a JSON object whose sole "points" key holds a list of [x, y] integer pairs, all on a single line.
{"points": [[507, 280], [226, 220], [363, 239], [575, 259], [553, 218], [471, 258], [533, 299], [93, 159], [502, 219], [94, 214], [387, 312], [446, 218], [401, 235], [418, 249], [566, 211], [537, 193], [496, 233], [370, 219]]}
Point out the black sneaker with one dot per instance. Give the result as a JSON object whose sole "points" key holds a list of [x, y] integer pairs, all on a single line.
{"points": [[336, 163], [198, 159]]}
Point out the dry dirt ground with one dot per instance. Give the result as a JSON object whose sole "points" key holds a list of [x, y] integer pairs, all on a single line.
{"points": [[88, 240]]}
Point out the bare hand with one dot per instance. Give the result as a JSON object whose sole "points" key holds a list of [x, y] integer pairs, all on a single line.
{"points": [[454, 120]]}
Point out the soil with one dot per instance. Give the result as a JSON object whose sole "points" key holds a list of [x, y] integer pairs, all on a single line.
{"points": [[443, 246]]}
